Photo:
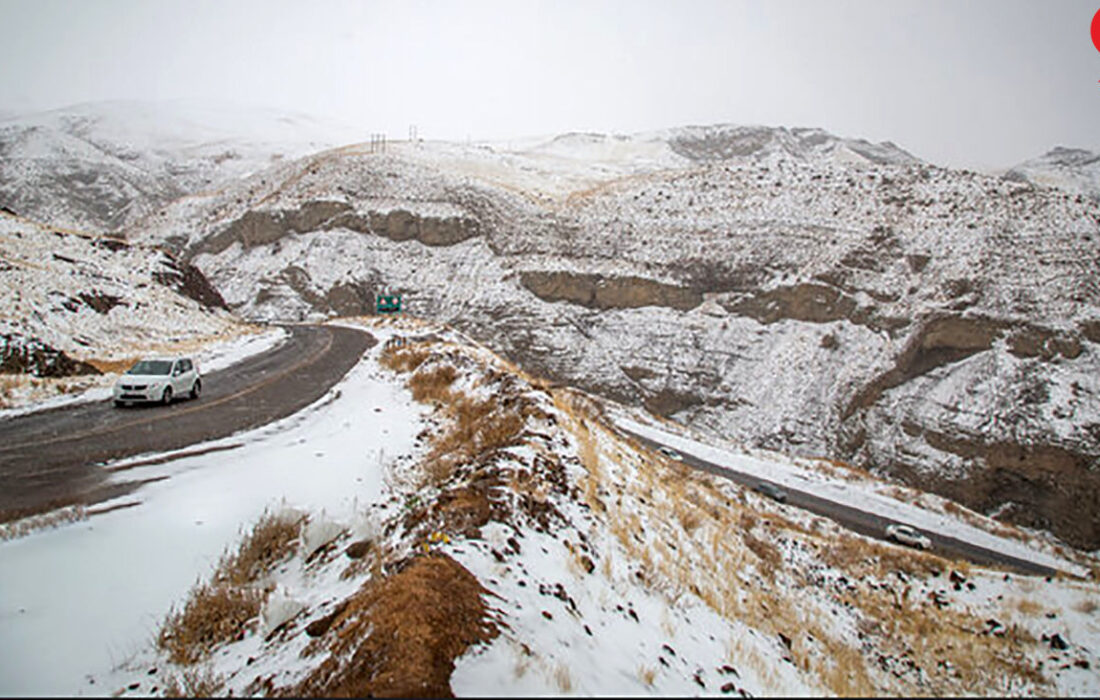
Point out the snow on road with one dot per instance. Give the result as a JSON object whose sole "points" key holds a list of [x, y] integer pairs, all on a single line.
{"points": [[78, 600], [858, 495]]}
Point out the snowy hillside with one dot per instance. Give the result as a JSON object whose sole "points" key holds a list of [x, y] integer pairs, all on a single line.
{"points": [[72, 307], [1071, 169], [103, 166], [464, 528], [763, 285]]}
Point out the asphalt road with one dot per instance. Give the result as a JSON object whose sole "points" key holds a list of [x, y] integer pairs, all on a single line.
{"points": [[864, 523], [55, 458]]}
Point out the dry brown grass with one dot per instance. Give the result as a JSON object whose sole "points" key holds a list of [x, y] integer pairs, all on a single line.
{"points": [[862, 557], [1087, 606], [193, 683], [221, 610], [433, 385], [214, 613], [562, 678], [405, 358], [476, 429], [272, 539], [769, 555], [399, 635], [116, 366], [1027, 606]]}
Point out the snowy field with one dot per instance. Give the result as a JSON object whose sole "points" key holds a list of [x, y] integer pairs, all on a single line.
{"points": [[78, 600]]}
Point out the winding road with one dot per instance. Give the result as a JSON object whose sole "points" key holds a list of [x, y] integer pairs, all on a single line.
{"points": [[59, 457], [860, 521], [55, 458]]}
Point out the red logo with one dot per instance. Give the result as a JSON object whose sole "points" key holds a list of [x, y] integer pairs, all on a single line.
{"points": [[1096, 30]]}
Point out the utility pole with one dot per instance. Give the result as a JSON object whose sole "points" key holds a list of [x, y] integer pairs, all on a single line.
{"points": [[377, 143], [412, 133]]}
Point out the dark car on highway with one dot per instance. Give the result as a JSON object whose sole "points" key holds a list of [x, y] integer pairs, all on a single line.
{"points": [[771, 491]]}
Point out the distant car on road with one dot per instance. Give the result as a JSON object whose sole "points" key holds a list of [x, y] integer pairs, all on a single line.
{"points": [[771, 491], [670, 453], [907, 535], [158, 379]]}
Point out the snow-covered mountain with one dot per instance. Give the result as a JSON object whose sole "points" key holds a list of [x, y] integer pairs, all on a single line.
{"points": [[783, 287], [102, 166], [936, 325], [1070, 169]]}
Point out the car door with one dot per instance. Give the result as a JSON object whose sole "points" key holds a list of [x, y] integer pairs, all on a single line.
{"points": [[187, 375], [178, 377]]}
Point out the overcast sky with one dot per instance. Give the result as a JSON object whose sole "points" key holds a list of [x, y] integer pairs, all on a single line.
{"points": [[975, 84]]}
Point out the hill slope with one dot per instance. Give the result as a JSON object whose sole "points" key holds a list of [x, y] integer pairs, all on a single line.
{"points": [[103, 166], [524, 546], [935, 325]]}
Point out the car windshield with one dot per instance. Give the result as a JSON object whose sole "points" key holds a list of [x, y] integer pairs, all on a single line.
{"points": [[151, 367]]}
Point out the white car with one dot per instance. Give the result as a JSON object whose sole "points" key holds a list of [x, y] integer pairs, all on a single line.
{"points": [[670, 453], [158, 379], [907, 535]]}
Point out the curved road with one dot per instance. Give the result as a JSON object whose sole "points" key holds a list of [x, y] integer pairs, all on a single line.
{"points": [[55, 458], [862, 522]]}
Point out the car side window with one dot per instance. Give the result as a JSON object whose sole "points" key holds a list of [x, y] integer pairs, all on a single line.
{"points": [[185, 365]]}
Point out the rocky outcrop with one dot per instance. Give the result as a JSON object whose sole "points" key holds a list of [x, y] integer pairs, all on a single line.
{"points": [[22, 355], [1041, 486], [813, 303], [189, 281], [262, 227], [606, 292], [943, 339]]}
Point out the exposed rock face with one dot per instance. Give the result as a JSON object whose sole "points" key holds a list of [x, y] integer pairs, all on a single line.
{"points": [[22, 355], [189, 281], [781, 287], [262, 227], [600, 292]]}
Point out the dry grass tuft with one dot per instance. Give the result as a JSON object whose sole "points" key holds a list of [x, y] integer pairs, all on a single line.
{"points": [[400, 635], [433, 385], [113, 366], [193, 683], [1027, 606], [861, 556], [220, 611], [404, 358], [214, 613], [562, 678], [769, 555], [272, 539], [477, 428]]}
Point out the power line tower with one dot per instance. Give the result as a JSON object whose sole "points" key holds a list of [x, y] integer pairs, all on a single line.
{"points": [[412, 134], [377, 143]]}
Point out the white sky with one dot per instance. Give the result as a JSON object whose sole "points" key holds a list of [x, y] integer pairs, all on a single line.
{"points": [[965, 83]]}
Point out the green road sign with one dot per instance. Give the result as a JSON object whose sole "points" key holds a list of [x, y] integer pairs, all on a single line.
{"points": [[388, 304]]}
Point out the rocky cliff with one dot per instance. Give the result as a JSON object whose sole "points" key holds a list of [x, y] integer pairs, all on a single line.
{"points": [[785, 287]]}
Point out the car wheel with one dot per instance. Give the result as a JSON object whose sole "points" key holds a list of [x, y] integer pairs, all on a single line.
{"points": [[167, 397], [119, 404], [196, 389]]}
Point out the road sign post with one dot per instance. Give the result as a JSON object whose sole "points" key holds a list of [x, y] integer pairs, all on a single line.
{"points": [[387, 304]]}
